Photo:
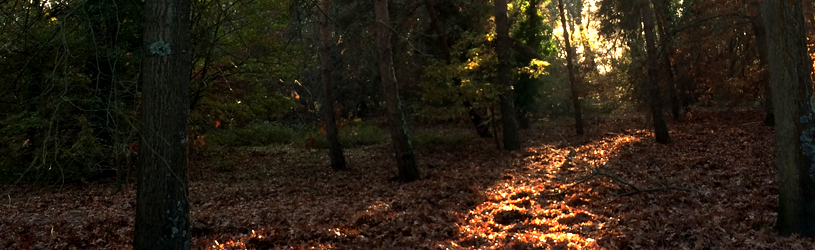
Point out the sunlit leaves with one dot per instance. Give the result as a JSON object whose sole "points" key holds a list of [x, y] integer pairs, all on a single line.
{"points": [[536, 68]]}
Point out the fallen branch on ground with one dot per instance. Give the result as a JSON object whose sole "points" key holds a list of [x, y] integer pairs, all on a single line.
{"points": [[637, 190]]}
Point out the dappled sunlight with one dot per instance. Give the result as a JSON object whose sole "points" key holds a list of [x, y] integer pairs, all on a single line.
{"points": [[543, 205], [270, 239]]}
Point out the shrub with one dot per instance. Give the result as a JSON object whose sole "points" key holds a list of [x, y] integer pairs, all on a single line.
{"points": [[255, 134], [353, 134], [430, 139], [360, 133]]}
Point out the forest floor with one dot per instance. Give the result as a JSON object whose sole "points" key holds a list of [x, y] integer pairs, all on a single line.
{"points": [[713, 187]]}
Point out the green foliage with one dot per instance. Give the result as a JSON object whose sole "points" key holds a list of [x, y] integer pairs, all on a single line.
{"points": [[255, 134], [69, 79], [241, 60], [247, 104], [36, 148], [242, 42], [359, 133], [15, 145], [430, 139], [67, 90], [532, 32], [442, 97], [353, 134], [554, 98]]}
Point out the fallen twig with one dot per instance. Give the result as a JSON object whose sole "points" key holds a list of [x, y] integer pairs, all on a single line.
{"points": [[661, 188], [637, 190]]}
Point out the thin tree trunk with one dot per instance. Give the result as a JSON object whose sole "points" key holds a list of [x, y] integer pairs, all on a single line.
{"points": [[760, 32], [334, 147], [162, 207], [654, 100], [666, 37], [405, 159], [481, 127], [578, 116], [789, 69], [508, 117]]}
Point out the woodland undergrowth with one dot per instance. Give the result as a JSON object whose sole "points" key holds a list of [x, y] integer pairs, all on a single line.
{"points": [[713, 187]]}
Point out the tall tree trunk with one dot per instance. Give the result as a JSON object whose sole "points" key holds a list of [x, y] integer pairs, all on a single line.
{"points": [[654, 100], [162, 207], [578, 116], [508, 117], [665, 35], [334, 147], [405, 159], [481, 127], [760, 32], [790, 68]]}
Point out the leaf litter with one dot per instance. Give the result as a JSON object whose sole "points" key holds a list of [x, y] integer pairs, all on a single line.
{"points": [[713, 187]]}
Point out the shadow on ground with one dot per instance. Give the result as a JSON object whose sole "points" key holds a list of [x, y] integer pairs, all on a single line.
{"points": [[614, 188]]}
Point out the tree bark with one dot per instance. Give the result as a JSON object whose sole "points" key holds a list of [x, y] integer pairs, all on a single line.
{"points": [[578, 116], [334, 147], [405, 159], [654, 100], [760, 32], [789, 69], [162, 207], [481, 127], [665, 35], [508, 117]]}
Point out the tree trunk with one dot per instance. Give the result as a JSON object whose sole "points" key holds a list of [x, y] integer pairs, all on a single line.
{"points": [[481, 127], [334, 147], [405, 160], [162, 207], [578, 116], [508, 117], [760, 32], [665, 35], [789, 69], [654, 100]]}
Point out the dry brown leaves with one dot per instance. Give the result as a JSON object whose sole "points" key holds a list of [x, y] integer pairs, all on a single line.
{"points": [[473, 196]]}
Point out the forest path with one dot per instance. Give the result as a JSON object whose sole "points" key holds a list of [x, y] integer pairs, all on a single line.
{"points": [[472, 195]]}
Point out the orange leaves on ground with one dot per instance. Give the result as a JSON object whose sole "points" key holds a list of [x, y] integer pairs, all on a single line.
{"points": [[472, 197]]}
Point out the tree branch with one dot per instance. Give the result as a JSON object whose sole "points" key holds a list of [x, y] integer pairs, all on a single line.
{"points": [[637, 189]]}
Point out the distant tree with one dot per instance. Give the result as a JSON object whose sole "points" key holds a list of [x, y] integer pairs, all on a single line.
{"points": [[654, 100], [666, 45], [162, 201], [334, 147], [790, 68], [405, 159], [508, 116], [578, 117]]}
